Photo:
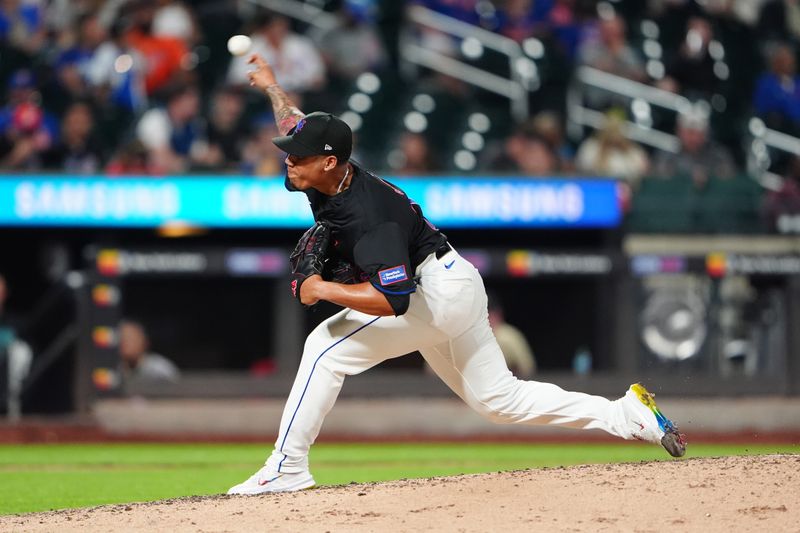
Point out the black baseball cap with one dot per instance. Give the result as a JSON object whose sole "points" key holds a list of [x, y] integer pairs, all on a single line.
{"points": [[318, 133]]}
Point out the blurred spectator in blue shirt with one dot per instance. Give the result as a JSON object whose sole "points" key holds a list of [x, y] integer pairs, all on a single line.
{"points": [[90, 35], [175, 135], [777, 95], [22, 25], [116, 72], [69, 62]]}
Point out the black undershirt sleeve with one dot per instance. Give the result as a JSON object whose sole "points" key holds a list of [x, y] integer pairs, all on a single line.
{"points": [[382, 253]]}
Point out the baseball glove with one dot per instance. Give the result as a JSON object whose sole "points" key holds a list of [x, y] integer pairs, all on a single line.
{"points": [[308, 257]]}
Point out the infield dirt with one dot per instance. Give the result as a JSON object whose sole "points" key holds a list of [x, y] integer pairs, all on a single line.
{"points": [[745, 493]]}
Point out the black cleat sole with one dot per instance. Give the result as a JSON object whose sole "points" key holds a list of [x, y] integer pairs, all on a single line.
{"points": [[674, 443]]}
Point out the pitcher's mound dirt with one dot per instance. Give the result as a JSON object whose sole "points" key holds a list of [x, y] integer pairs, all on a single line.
{"points": [[758, 493]]}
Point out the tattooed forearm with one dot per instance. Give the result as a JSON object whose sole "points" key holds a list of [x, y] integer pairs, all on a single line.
{"points": [[286, 114]]}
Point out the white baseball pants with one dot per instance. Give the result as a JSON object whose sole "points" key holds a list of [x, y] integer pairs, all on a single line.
{"points": [[447, 322]]}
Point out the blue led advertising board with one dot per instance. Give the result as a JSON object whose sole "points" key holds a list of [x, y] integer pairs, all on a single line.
{"points": [[236, 202]]}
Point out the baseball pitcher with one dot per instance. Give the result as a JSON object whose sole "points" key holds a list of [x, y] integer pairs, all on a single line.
{"points": [[403, 288]]}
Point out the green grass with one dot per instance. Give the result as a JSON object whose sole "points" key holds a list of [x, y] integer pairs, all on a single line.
{"points": [[44, 477]]}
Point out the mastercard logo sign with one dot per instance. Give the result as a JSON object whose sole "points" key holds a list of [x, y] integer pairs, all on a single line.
{"points": [[104, 337], [105, 295], [108, 262], [105, 378], [716, 265], [518, 263]]}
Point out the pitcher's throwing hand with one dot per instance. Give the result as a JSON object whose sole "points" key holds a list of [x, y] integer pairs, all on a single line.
{"points": [[263, 75]]}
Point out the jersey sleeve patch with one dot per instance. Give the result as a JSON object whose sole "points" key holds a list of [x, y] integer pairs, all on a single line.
{"points": [[390, 276]]}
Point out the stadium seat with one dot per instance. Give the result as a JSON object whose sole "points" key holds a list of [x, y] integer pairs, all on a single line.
{"points": [[730, 206], [663, 205]]}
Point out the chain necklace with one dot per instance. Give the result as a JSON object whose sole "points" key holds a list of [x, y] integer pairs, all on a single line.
{"points": [[346, 173]]}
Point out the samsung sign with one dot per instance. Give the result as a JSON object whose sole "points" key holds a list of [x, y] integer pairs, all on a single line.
{"points": [[492, 203], [100, 201], [265, 203]]}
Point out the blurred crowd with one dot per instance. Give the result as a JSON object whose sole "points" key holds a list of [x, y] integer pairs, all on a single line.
{"points": [[147, 87]]}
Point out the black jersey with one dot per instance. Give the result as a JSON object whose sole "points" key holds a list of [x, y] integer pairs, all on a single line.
{"points": [[376, 227]]}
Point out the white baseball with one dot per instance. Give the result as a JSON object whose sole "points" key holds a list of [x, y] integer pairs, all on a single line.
{"points": [[239, 44]]}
